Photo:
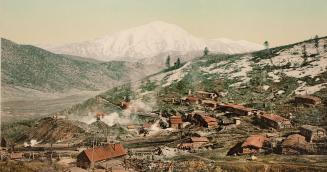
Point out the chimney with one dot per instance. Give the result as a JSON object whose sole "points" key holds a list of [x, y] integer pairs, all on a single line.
{"points": [[189, 92]]}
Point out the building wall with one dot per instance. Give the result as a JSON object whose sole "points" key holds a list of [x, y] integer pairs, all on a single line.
{"points": [[82, 161]]}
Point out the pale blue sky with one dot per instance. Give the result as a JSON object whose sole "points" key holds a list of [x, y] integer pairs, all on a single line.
{"points": [[65, 21]]}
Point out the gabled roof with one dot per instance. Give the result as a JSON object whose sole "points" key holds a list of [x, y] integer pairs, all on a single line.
{"points": [[239, 107], [275, 118], [255, 141], [206, 117], [192, 98], [199, 139], [105, 152]]}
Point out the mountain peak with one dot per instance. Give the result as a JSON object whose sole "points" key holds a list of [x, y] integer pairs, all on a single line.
{"points": [[150, 40]]}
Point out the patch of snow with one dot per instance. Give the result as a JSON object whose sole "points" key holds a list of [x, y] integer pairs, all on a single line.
{"points": [[304, 89], [265, 87], [280, 92], [237, 69], [176, 75]]}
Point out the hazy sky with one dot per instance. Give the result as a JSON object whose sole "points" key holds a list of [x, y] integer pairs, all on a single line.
{"points": [[65, 21]]}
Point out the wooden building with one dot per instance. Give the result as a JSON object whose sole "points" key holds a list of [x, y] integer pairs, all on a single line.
{"points": [[306, 99], [175, 122], [275, 121], [312, 133], [254, 144], [206, 95], [209, 103], [89, 157], [238, 109], [16, 155], [190, 100], [205, 120], [294, 144], [193, 143]]}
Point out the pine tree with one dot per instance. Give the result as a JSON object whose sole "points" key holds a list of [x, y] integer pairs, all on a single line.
{"points": [[316, 42], [266, 44], [168, 62], [205, 51], [304, 51], [178, 63]]}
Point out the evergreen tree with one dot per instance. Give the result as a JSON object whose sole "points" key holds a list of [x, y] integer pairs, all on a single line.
{"points": [[205, 51], [178, 63], [266, 44], [316, 42], [168, 62], [304, 51]]}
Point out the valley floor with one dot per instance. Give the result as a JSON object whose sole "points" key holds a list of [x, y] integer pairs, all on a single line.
{"points": [[25, 108]]}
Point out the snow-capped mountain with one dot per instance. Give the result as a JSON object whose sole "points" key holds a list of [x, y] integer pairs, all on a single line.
{"points": [[150, 40]]}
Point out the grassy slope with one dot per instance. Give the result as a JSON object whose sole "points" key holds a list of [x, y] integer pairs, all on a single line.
{"points": [[32, 67]]}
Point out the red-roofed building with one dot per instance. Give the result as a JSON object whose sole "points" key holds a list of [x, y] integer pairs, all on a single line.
{"points": [[253, 144], [275, 121], [88, 157], [175, 122], [206, 120]]}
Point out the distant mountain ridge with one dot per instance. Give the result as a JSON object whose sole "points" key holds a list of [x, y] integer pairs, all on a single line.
{"points": [[34, 68], [150, 40]]}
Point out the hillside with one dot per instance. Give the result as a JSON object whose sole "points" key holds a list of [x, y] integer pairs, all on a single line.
{"points": [[266, 80], [31, 67], [36, 82]]}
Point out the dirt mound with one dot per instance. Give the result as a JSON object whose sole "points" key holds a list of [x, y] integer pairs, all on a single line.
{"points": [[53, 130]]}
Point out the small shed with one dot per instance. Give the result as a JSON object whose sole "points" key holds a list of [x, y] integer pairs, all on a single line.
{"points": [[175, 122], [206, 95], [193, 143], [209, 103], [16, 155]]}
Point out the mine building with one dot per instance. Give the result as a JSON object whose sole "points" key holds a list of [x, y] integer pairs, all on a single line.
{"points": [[206, 95], [306, 99], [190, 100], [237, 109], [254, 144], [193, 143], [16, 155], [236, 120], [175, 122], [275, 121], [312, 133], [209, 103], [205, 120], [89, 157], [294, 144]]}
